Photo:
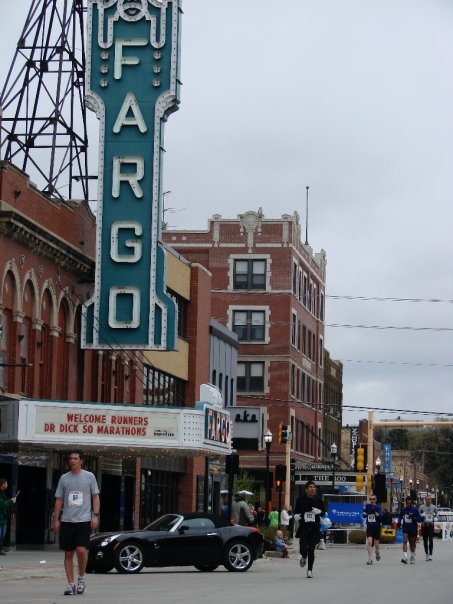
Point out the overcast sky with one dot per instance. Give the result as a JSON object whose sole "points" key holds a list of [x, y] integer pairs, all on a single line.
{"points": [[353, 98]]}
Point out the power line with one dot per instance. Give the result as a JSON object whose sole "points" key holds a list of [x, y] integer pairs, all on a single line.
{"points": [[409, 364], [364, 407], [379, 299], [403, 411], [384, 327]]}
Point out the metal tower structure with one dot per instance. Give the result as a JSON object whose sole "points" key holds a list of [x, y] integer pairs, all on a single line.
{"points": [[43, 116]]}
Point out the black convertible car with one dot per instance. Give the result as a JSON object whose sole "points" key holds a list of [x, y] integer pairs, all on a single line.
{"points": [[184, 539]]}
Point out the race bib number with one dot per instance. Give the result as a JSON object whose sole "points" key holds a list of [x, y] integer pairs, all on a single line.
{"points": [[428, 518], [407, 519], [75, 498], [309, 516], [371, 518]]}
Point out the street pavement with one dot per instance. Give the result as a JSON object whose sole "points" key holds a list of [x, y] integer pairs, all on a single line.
{"points": [[340, 576]]}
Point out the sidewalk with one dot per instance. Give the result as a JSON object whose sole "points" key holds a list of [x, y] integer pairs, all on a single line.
{"points": [[27, 563]]}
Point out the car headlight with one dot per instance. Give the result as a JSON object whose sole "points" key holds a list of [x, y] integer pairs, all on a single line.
{"points": [[108, 540]]}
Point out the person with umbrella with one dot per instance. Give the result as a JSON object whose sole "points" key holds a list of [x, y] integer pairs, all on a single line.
{"points": [[240, 510]]}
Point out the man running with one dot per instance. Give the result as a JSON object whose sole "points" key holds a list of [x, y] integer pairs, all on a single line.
{"points": [[77, 495], [373, 516], [428, 512], [409, 518], [310, 507]]}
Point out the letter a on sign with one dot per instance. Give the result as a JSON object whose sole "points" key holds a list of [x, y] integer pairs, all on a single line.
{"points": [[133, 85]]}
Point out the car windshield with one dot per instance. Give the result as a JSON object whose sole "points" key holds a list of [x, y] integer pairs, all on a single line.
{"points": [[164, 523]]}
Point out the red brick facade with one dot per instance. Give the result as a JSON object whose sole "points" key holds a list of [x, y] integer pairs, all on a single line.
{"points": [[47, 252], [263, 273]]}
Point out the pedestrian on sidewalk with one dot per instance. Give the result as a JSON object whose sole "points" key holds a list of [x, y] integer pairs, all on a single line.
{"points": [[408, 519], [428, 512], [6, 505], [308, 509], [280, 544], [77, 495], [373, 516]]}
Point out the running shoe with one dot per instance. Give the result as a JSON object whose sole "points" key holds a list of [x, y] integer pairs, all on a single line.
{"points": [[412, 559], [378, 556], [370, 561], [404, 560], [303, 562], [70, 590], [81, 585], [427, 557], [309, 574], [430, 557]]}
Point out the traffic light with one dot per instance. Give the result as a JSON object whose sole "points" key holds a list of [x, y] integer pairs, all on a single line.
{"points": [[360, 463], [280, 472], [359, 482], [283, 434], [232, 464]]}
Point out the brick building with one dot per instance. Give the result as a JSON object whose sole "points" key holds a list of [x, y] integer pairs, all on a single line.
{"points": [[47, 251], [269, 288]]}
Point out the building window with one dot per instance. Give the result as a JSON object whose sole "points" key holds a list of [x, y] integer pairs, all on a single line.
{"points": [[249, 325], [295, 274], [182, 305], [321, 308], [314, 299], [161, 388], [293, 380], [305, 291], [249, 274], [294, 329], [321, 352], [250, 376]]}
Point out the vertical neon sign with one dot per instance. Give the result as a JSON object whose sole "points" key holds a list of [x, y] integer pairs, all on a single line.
{"points": [[132, 85]]}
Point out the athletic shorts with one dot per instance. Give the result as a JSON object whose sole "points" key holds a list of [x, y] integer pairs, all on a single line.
{"points": [[74, 534], [373, 531], [411, 534]]}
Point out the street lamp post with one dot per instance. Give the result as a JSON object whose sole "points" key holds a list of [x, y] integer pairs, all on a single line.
{"points": [[268, 443], [391, 492], [402, 492], [333, 455]]}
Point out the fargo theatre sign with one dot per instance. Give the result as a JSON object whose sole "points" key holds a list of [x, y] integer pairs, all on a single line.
{"points": [[133, 85]]}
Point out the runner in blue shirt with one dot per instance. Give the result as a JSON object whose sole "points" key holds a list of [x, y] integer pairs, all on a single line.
{"points": [[409, 518]]}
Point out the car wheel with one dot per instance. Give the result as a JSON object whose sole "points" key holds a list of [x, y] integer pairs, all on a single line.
{"points": [[206, 568], [129, 558], [238, 556]]}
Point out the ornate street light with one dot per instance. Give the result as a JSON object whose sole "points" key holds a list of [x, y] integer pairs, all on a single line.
{"points": [[378, 464], [268, 443], [402, 491], [333, 455], [391, 492]]}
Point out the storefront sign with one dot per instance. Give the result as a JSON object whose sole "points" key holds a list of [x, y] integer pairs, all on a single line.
{"points": [[71, 424], [345, 513], [217, 426], [133, 85], [104, 424]]}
